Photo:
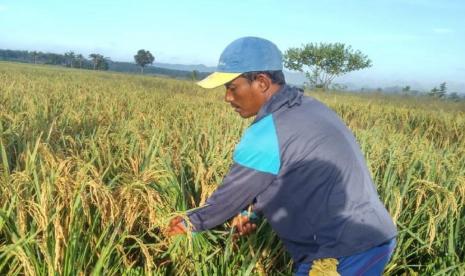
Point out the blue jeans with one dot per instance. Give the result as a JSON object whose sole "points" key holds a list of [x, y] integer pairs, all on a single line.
{"points": [[370, 262]]}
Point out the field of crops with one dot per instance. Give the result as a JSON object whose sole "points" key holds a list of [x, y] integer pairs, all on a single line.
{"points": [[94, 164]]}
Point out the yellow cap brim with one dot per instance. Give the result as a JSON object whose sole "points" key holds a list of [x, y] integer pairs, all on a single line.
{"points": [[217, 79]]}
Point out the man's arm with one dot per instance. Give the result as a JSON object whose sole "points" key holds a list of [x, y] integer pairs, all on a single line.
{"points": [[239, 189], [256, 165]]}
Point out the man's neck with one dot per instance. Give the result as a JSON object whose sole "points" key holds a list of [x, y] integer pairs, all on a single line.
{"points": [[274, 88]]}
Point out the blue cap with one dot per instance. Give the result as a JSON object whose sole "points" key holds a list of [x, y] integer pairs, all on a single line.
{"points": [[246, 54]]}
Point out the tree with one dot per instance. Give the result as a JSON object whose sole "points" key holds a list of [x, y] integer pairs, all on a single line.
{"points": [[339, 87], [99, 62], [79, 59], [103, 64], [95, 58], [34, 56], [433, 92], [454, 96], [442, 90], [69, 58], [195, 75], [143, 58], [325, 61], [439, 93], [406, 88], [55, 59]]}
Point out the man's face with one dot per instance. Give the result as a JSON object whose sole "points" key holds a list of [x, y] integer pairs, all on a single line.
{"points": [[246, 97]]}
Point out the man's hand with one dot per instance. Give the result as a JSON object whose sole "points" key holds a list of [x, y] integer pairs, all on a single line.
{"points": [[177, 226], [243, 225]]}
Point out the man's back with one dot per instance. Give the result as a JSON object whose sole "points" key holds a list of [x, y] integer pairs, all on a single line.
{"points": [[322, 202]]}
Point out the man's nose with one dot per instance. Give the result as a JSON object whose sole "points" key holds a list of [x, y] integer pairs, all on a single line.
{"points": [[227, 96]]}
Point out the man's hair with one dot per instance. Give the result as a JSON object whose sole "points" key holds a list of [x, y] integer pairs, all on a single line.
{"points": [[276, 77]]}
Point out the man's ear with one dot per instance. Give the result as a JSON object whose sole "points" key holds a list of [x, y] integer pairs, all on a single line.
{"points": [[263, 81]]}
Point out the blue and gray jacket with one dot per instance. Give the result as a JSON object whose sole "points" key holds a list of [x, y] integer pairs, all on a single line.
{"points": [[304, 171]]}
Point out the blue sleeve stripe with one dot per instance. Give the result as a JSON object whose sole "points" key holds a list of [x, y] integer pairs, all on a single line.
{"points": [[259, 148]]}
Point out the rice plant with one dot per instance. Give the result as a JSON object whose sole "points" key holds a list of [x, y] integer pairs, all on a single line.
{"points": [[94, 164]]}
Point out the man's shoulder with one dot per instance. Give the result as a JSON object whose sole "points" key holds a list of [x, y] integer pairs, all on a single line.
{"points": [[307, 111], [259, 147], [260, 136]]}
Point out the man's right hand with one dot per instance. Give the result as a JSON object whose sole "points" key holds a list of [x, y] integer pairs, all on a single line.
{"points": [[243, 226]]}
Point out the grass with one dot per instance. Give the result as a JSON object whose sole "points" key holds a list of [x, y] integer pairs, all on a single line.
{"points": [[94, 164]]}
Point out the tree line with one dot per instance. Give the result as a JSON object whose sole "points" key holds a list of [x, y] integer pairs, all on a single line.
{"points": [[69, 59], [440, 93], [320, 62], [97, 61]]}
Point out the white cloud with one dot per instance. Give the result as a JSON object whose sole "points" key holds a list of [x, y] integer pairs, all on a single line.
{"points": [[2, 8], [443, 30]]}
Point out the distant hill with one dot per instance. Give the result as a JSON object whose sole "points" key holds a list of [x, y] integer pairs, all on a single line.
{"points": [[291, 77], [130, 67], [185, 67]]}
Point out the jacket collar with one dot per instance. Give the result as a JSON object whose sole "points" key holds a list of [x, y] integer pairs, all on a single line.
{"points": [[287, 95]]}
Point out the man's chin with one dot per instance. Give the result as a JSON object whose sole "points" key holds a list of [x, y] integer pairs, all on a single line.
{"points": [[245, 115]]}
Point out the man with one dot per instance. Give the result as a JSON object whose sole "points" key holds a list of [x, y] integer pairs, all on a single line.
{"points": [[300, 166]]}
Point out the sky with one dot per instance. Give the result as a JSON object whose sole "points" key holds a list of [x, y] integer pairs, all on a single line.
{"points": [[411, 42]]}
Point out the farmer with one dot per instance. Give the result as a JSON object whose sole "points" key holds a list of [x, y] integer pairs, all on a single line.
{"points": [[300, 167]]}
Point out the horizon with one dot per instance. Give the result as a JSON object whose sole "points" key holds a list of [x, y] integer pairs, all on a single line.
{"points": [[416, 43]]}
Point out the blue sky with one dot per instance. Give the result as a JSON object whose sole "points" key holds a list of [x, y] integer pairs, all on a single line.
{"points": [[410, 42]]}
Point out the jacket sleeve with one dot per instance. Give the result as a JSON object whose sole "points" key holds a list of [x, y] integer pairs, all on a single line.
{"points": [[256, 165], [239, 188]]}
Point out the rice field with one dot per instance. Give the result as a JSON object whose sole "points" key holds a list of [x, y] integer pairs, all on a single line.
{"points": [[94, 164]]}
